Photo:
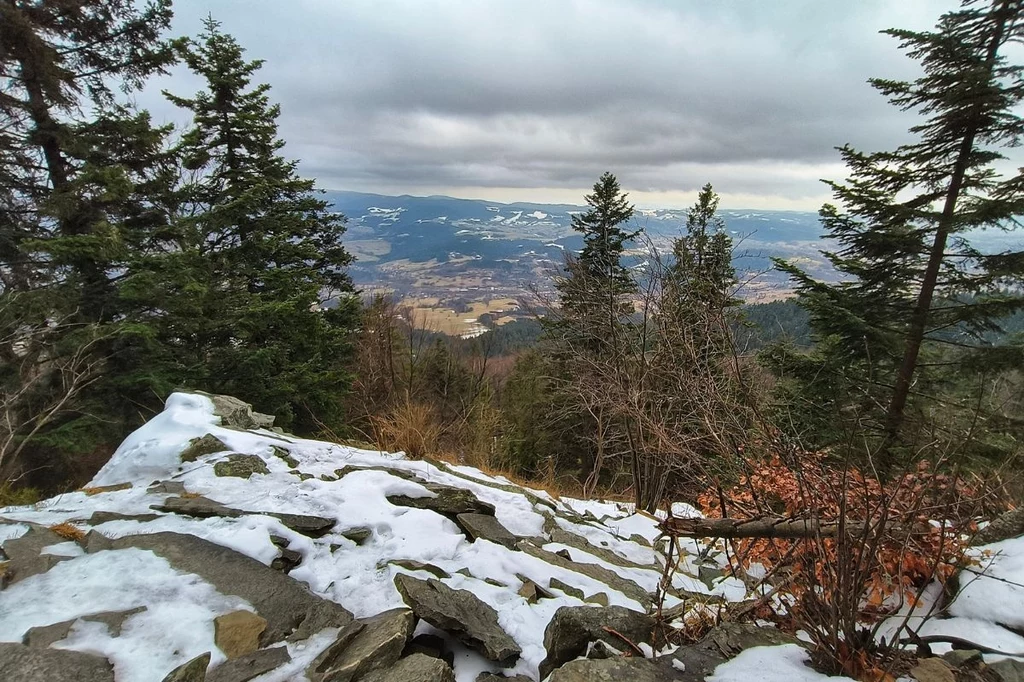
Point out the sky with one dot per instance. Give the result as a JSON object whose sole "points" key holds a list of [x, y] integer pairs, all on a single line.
{"points": [[531, 100]]}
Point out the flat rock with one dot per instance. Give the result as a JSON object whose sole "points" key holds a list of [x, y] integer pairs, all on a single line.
{"points": [[99, 517], [485, 527], [43, 636], [932, 670], [238, 633], [167, 487], [598, 573], [198, 506], [447, 500], [96, 541], [358, 535], [414, 668], [556, 584], [377, 645], [572, 628], [245, 668], [241, 466], [238, 414], [616, 669], [202, 446], [193, 671], [430, 645], [114, 620], [23, 554], [285, 603], [565, 537], [311, 526], [460, 613], [413, 565], [322, 664], [30, 664], [1003, 527]]}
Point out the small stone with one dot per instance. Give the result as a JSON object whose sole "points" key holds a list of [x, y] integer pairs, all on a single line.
{"points": [[308, 525], [531, 591], [197, 506], [485, 527], [238, 414], [114, 620], [107, 516], [932, 670], [286, 455], [556, 584], [962, 657], [202, 446], [43, 636], [564, 553], [709, 574], [447, 500], [601, 599], [358, 535], [193, 671], [241, 466], [167, 487], [96, 541], [238, 633], [287, 560], [494, 677], [328, 478]]}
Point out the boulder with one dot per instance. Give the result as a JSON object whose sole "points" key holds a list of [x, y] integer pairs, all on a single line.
{"points": [[285, 603], [31, 664], [599, 573], [616, 669], [237, 414], [193, 671], [238, 633], [446, 500], [699, 660], [249, 666], [460, 613], [572, 628], [414, 668], [378, 644], [1003, 527], [1008, 670], [24, 557], [486, 527], [201, 446], [241, 466]]}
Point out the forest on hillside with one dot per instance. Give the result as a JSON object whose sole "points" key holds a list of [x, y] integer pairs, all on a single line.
{"points": [[137, 259]]}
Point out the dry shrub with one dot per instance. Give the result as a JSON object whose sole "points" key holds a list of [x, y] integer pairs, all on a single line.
{"points": [[894, 539], [68, 531], [412, 427]]}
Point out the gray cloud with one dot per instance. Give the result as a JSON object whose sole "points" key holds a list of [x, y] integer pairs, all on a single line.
{"points": [[536, 97]]}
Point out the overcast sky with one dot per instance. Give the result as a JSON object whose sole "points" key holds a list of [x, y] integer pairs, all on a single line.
{"points": [[515, 100]]}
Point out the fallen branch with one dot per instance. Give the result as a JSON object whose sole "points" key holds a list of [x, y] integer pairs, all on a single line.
{"points": [[632, 645], [767, 527]]}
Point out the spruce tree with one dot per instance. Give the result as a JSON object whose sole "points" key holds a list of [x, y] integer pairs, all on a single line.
{"points": [[251, 285], [911, 285]]}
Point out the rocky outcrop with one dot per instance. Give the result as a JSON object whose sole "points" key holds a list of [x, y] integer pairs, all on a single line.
{"points": [[241, 466], [572, 628], [31, 664], [460, 613], [286, 604], [237, 414], [202, 446], [202, 508]]}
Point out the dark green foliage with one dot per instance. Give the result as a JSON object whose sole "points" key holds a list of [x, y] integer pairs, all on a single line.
{"points": [[763, 324], [528, 409], [245, 292], [909, 273]]}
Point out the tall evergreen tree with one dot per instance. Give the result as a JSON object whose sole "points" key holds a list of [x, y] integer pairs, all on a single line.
{"points": [[912, 286], [249, 295]]}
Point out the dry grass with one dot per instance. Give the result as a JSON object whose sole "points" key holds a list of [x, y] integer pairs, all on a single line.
{"points": [[411, 427], [69, 531], [106, 489]]}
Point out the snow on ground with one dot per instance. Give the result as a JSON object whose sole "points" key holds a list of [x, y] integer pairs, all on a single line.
{"points": [[178, 622], [787, 663]]}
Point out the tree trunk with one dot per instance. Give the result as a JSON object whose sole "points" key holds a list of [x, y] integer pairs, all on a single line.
{"points": [[768, 527]]}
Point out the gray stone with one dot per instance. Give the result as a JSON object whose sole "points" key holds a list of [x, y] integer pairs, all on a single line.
{"points": [[311, 526], [238, 414], [708, 574], [96, 541], [564, 537], [378, 644], [43, 636], [430, 645], [287, 560], [193, 671], [20, 663], [1008, 670], [200, 507], [722, 643], [531, 591], [286, 455], [321, 665], [245, 668], [599, 573], [398, 473], [167, 487], [494, 677], [241, 466], [99, 517], [202, 446], [1003, 527], [461, 613], [23, 554], [599, 598], [447, 500], [286, 603], [572, 628], [961, 657], [611, 670], [486, 527], [114, 620], [413, 565], [358, 535], [556, 584], [414, 668]]}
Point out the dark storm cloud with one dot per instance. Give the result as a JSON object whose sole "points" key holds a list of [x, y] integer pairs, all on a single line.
{"points": [[421, 95]]}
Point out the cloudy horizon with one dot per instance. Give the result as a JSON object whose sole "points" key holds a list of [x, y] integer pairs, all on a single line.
{"points": [[532, 100]]}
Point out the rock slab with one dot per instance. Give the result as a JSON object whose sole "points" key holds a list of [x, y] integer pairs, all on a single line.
{"points": [[245, 668], [414, 668], [29, 664], [460, 613], [238, 633], [611, 670]]}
